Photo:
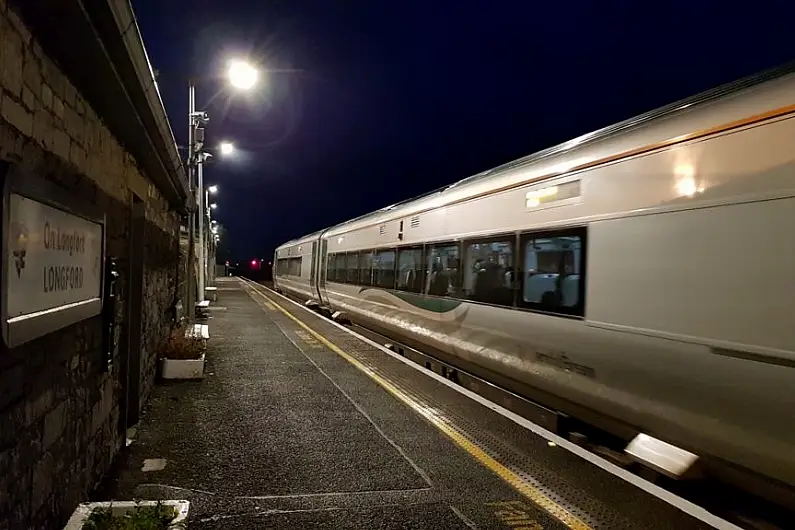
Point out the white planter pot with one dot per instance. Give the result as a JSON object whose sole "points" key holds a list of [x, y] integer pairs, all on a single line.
{"points": [[80, 516], [183, 368]]}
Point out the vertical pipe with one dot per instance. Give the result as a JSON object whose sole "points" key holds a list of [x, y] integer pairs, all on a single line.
{"points": [[202, 214], [191, 306]]}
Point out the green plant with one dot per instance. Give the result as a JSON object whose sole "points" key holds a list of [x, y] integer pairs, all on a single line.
{"points": [[156, 517], [177, 346]]}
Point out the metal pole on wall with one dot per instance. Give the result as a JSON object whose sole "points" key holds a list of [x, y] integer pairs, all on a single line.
{"points": [[202, 213], [191, 212], [210, 236]]}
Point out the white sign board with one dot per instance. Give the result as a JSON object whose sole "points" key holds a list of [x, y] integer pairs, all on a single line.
{"points": [[54, 258]]}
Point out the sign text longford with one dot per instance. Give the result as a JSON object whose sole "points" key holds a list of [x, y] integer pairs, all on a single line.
{"points": [[54, 258]]}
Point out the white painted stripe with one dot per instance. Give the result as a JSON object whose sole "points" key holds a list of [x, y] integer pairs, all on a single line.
{"points": [[674, 500]]}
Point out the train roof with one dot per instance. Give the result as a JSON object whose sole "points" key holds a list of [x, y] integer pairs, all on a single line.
{"points": [[473, 185]]}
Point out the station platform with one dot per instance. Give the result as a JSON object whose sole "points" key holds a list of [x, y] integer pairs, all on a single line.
{"points": [[298, 423]]}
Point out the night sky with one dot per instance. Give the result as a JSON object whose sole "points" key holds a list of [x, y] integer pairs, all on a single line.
{"points": [[372, 101]]}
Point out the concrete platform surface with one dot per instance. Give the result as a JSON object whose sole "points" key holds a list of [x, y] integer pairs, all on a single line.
{"points": [[299, 424]]}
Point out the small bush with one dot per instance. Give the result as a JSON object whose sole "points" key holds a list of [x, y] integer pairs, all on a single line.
{"points": [[156, 517], [177, 346]]}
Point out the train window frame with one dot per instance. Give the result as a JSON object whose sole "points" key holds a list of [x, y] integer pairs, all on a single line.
{"points": [[428, 255], [577, 310], [331, 268], [352, 274], [465, 248], [394, 267], [362, 254], [341, 272], [419, 286]]}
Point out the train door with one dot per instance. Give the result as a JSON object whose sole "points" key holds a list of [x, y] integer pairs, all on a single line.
{"points": [[313, 269], [321, 265]]}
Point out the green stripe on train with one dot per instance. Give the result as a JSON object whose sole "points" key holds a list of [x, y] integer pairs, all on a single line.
{"points": [[436, 305]]}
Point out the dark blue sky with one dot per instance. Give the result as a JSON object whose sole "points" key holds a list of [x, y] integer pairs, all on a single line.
{"points": [[375, 101]]}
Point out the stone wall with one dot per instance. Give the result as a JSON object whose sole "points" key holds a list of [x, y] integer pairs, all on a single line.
{"points": [[60, 411]]}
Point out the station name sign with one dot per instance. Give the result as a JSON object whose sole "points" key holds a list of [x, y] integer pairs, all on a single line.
{"points": [[53, 270]]}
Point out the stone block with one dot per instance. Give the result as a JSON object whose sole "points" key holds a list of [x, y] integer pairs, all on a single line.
{"points": [[54, 423], [69, 93], [74, 124], [11, 142], [28, 99], [17, 116], [38, 407], [60, 144], [46, 95], [52, 76], [11, 384], [58, 107], [78, 157], [31, 72], [12, 61], [97, 417], [43, 472], [43, 129]]}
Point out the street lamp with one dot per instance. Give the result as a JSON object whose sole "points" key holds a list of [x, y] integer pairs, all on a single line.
{"points": [[213, 206], [227, 148], [213, 188], [241, 75]]}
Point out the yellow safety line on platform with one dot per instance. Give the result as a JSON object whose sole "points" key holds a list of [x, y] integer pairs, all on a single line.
{"points": [[528, 490]]}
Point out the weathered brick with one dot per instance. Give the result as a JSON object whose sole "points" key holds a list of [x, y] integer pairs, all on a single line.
{"points": [[43, 129], [60, 144], [11, 46], [16, 115], [58, 107], [54, 423], [69, 94], [74, 124], [31, 72], [11, 142], [38, 407], [46, 96], [77, 155], [80, 106], [42, 481], [11, 384], [53, 77], [28, 99]]}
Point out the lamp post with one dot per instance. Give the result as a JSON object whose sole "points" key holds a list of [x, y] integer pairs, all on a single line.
{"points": [[243, 76], [206, 259], [194, 119]]}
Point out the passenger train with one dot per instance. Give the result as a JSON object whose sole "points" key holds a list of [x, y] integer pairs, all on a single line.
{"points": [[640, 278]]}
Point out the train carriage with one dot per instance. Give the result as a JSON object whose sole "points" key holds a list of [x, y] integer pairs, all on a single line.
{"points": [[638, 278]]}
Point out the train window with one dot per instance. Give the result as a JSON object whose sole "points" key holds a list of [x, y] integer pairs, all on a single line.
{"points": [[384, 269], [489, 271], [294, 267], [341, 268], [352, 268], [552, 271], [331, 268], [366, 268], [443, 265], [410, 275]]}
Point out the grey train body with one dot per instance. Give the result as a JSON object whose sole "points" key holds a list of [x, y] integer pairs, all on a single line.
{"points": [[642, 276]]}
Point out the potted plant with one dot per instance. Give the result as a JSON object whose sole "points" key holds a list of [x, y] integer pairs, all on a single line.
{"points": [[130, 515], [182, 354]]}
